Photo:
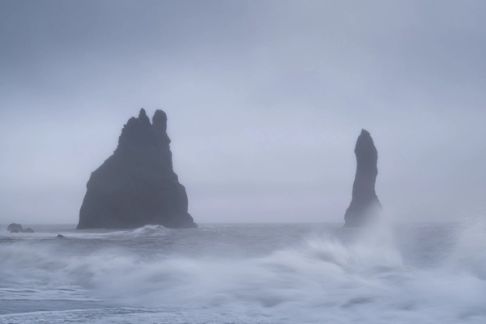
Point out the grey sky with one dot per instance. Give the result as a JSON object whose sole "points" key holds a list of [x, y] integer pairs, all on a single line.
{"points": [[265, 100]]}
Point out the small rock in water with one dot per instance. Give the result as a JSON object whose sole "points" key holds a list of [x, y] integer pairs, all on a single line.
{"points": [[60, 236], [17, 228]]}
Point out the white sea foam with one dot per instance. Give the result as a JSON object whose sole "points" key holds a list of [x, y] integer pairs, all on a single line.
{"points": [[343, 278]]}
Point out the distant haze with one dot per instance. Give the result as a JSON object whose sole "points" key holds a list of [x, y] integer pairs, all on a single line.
{"points": [[265, 100]]}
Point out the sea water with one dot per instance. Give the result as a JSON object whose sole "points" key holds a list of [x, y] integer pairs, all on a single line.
{"points": [[246, 273]]}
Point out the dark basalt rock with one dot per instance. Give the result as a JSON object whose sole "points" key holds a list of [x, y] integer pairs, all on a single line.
{"points": [[17, 228], [137, 186], [364, 204]]}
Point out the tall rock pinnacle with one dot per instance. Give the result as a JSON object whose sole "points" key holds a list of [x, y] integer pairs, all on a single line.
{"points": [[137, 185], [364, 203]]}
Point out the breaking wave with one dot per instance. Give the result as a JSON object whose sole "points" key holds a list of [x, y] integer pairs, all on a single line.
{"points": [[336, 277]]}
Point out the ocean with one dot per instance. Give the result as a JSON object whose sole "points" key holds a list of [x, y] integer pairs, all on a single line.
{"points": [[246, 273]]}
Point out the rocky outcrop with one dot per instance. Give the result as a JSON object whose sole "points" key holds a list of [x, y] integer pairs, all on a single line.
{"points": [[17, 228], [137, 186], [364, 204]]}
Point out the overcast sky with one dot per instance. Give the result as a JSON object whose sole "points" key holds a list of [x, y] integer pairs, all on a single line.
{"points": [[265, 101]]}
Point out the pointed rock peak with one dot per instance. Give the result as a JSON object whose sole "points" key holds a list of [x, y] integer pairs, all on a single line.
{"points": [[142, 116], [159, 120], [365, 136], [365, 142], [137, 132], [364, 132]]}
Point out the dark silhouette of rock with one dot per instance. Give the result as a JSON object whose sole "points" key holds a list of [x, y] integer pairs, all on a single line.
{"points": [[17, 228], [60, 236], [137, 186], [364, 204]]}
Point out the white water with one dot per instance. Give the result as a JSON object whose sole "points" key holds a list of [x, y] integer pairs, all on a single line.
{"points": [[246, 274]]}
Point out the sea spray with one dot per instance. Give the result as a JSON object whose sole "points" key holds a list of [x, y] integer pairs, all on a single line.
{"points": [[264, 274]]}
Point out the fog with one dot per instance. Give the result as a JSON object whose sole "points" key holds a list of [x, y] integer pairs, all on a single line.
{"points": [[265, 100]]}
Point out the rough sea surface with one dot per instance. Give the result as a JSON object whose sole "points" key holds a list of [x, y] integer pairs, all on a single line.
{"points": [[289, 273]]}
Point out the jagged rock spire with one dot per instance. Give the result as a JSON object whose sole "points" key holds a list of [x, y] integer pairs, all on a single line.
{"points": [[137, 185], [159, 121], [142, 115], [364, 203]]}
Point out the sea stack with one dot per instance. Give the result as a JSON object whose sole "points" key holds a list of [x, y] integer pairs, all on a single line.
{"points": [[137, 185], [364, 204]]}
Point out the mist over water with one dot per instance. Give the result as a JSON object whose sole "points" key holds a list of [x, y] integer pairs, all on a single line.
{"points": [[264, 101], [305, 273]]}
